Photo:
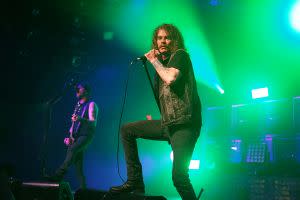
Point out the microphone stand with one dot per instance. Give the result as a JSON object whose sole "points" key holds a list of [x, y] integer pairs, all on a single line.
{"points": [[149, 78], [47, 123]]}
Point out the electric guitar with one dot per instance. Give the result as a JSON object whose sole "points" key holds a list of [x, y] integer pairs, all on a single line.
{"points": [[70, 140]]}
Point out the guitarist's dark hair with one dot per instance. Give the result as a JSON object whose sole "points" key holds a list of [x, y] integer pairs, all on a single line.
{"points": [[86, 86]]}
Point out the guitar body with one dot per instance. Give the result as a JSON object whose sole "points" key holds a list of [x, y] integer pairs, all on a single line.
{"points": [[70, 140]]}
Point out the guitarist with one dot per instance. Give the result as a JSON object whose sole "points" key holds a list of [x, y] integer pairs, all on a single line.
{"points": [[84, 121]]}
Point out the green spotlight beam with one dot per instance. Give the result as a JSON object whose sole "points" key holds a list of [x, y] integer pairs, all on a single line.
{"points": [[295, 16], [136, 20]]}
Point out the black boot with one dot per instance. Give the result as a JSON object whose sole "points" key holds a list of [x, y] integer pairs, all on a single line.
{"points": [[136, 187]]}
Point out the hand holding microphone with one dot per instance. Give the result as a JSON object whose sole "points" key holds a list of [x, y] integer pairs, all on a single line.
{"points": [[152, 55]]}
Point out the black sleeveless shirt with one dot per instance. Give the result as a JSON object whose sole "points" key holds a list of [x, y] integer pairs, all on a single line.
{"points": [[83, 128]]}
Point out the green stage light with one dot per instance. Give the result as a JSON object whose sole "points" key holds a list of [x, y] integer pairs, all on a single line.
{"points": [[137, 34], [194, 164], [220, 89], [108, 35], [260, 93], [171, 156], [295, 16]]}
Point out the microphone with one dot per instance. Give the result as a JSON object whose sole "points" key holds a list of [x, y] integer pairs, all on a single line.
{"points": [[142, 58]]}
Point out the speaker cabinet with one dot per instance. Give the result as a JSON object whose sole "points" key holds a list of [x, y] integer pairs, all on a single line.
{"points": [[42, 191]]}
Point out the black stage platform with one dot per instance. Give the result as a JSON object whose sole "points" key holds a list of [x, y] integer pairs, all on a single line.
{"points": [[61, 191]]}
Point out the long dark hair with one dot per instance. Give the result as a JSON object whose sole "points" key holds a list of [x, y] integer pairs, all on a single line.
{"points": [[175, 36]]}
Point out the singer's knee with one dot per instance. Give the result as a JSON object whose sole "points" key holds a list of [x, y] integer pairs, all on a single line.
{"points": [[125, 131]]}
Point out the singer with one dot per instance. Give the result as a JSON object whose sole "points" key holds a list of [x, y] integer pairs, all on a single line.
{"points": [[180, 123], [84, 121]]}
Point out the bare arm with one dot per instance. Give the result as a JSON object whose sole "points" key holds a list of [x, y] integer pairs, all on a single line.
{"points": [[93, 113], [167, 74]]}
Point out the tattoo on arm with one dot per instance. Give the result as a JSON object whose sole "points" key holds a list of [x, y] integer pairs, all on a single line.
{"points": [[168, 75]]}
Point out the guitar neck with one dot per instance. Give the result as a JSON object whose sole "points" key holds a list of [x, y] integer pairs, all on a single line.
{"points": [[72, 130], [77, 109]]}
